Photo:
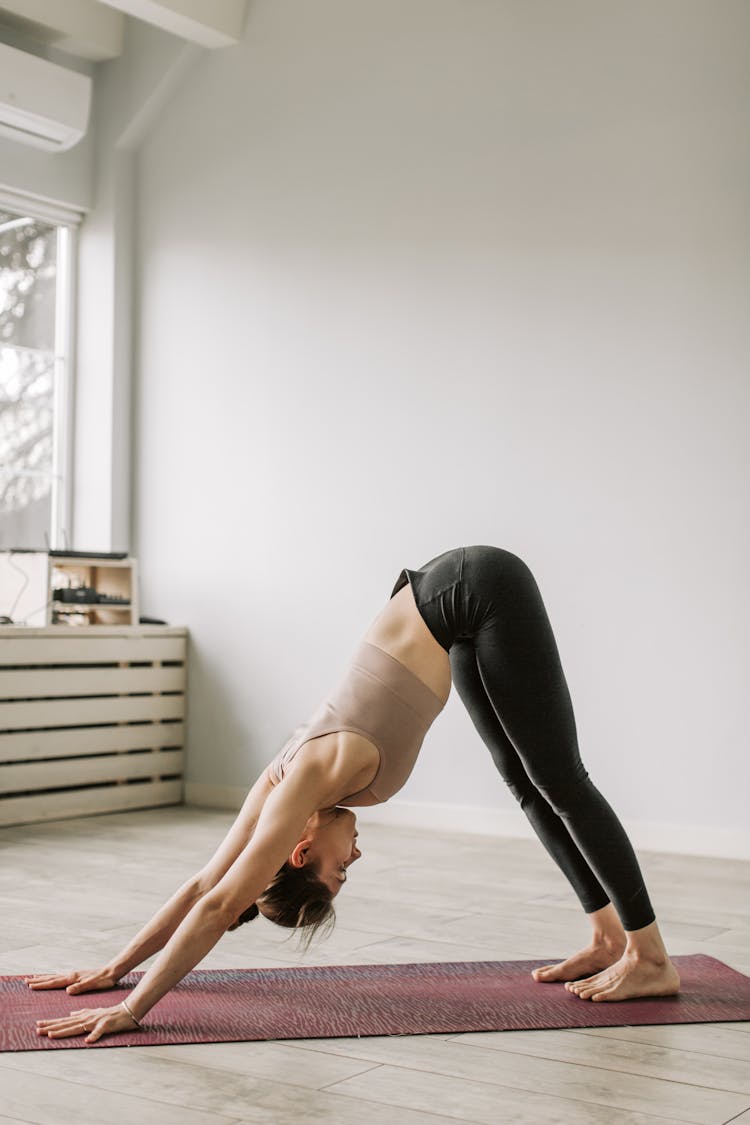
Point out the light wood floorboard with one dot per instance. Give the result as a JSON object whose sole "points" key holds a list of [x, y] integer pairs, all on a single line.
{"points": [[75, 891]]}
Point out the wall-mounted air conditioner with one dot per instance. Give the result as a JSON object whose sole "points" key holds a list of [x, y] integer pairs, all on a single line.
{"points": [[42, 104]]}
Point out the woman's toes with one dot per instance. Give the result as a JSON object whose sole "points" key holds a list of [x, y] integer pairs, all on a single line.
{"points": [[548, 972], [581, 966]]}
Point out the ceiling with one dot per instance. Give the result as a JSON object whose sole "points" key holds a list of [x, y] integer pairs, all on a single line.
{"points": [[93, 29]]}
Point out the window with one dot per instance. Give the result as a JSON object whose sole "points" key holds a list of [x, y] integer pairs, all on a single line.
{"points": [[35, 331]]}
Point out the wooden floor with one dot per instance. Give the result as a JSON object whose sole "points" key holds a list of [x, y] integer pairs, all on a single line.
{"points": [[75, 891]]}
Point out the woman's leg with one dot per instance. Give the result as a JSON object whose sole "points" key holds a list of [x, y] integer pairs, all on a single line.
{"points": [[519, 668], [608, 935]]}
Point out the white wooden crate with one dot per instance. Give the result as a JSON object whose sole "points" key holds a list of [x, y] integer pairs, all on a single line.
{"points": [[91, 720]]}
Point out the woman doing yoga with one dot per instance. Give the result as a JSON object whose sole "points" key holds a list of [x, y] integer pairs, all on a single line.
{"points": [[472, 616]]}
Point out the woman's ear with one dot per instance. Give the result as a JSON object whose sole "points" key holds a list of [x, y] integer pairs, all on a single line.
{"points": [[300, 855]]}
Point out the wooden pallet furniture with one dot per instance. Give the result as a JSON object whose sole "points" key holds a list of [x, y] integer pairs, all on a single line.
{"points": [[91, 720]]}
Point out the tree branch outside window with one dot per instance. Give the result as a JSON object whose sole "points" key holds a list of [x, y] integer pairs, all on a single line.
{"points": [[29, 368]]}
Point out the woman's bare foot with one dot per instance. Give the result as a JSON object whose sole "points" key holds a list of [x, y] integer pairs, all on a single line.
{"points": [[608, 942], [589, 960], [644, 969], [628, 978]]}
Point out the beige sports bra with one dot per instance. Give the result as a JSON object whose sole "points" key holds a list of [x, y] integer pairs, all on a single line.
{"points": [[385, 702]]}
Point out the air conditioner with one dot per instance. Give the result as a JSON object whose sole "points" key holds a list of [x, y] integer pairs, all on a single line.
{"points": [[42, 104]]}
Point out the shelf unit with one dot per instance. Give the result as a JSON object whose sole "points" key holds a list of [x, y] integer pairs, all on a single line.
{"points": [[91, 720], [115, 578], [28, 580]]}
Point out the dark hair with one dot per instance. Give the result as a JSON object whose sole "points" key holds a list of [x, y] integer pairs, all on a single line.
{"points": [[298, 899]]}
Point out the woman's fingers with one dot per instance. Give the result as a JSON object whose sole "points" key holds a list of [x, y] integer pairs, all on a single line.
{"points": [[97, 1031], [82, 981], [60, 1027], [49, 980], [92, 982], [61, 1021], [74, 1024], [72, 1017], [91, 1022]]}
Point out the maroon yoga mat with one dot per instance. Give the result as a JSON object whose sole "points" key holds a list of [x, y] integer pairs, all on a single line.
{"points": [[222, 1005]]}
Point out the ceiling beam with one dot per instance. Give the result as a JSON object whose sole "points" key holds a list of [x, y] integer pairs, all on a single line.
{"points": [[84, 28], [216, 24]]}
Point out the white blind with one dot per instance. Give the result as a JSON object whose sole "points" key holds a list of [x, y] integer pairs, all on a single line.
{"points": [[43, 209]]}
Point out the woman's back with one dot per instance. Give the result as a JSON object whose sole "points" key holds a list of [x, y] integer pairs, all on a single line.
{"points": [[400, 631]]}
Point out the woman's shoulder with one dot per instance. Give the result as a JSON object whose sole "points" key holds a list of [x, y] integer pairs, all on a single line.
{"points": [[344, 757]]}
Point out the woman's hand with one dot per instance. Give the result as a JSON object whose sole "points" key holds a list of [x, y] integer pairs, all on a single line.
{"points": [[82, 980], [92, 1022]]}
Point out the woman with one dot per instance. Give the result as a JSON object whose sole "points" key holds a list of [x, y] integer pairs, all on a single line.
{"points": [[472, 616]]}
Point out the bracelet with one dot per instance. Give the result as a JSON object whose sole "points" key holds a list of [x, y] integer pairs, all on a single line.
{"points": [[135, 1021]]}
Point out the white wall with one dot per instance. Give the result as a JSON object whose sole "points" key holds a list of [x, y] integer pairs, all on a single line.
{"points": [[59, 177], [96, 177], [416, 275], [128, 93]]}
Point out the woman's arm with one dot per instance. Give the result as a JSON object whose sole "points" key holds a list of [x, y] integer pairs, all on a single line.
{"points": [[157, 932], [155, 935], [280, 827], [150, 939]]}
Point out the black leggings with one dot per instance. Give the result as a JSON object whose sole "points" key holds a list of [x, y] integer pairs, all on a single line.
{"points": [[483, 606]]}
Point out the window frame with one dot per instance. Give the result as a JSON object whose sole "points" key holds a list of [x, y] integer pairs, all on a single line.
{"points": [[61, 515], [67, 222]]}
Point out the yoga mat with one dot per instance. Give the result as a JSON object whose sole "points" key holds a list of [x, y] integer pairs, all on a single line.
{"points": [[224, 1005]]}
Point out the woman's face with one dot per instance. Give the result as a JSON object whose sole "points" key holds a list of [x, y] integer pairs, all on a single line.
{"points": [[333, 845]]}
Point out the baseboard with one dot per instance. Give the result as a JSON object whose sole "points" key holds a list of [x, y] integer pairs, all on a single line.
{"points": [[679, 839]]}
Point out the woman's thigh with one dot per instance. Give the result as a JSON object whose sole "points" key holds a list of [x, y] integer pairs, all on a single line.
{"points": [[468, 684], [519, 667]]}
